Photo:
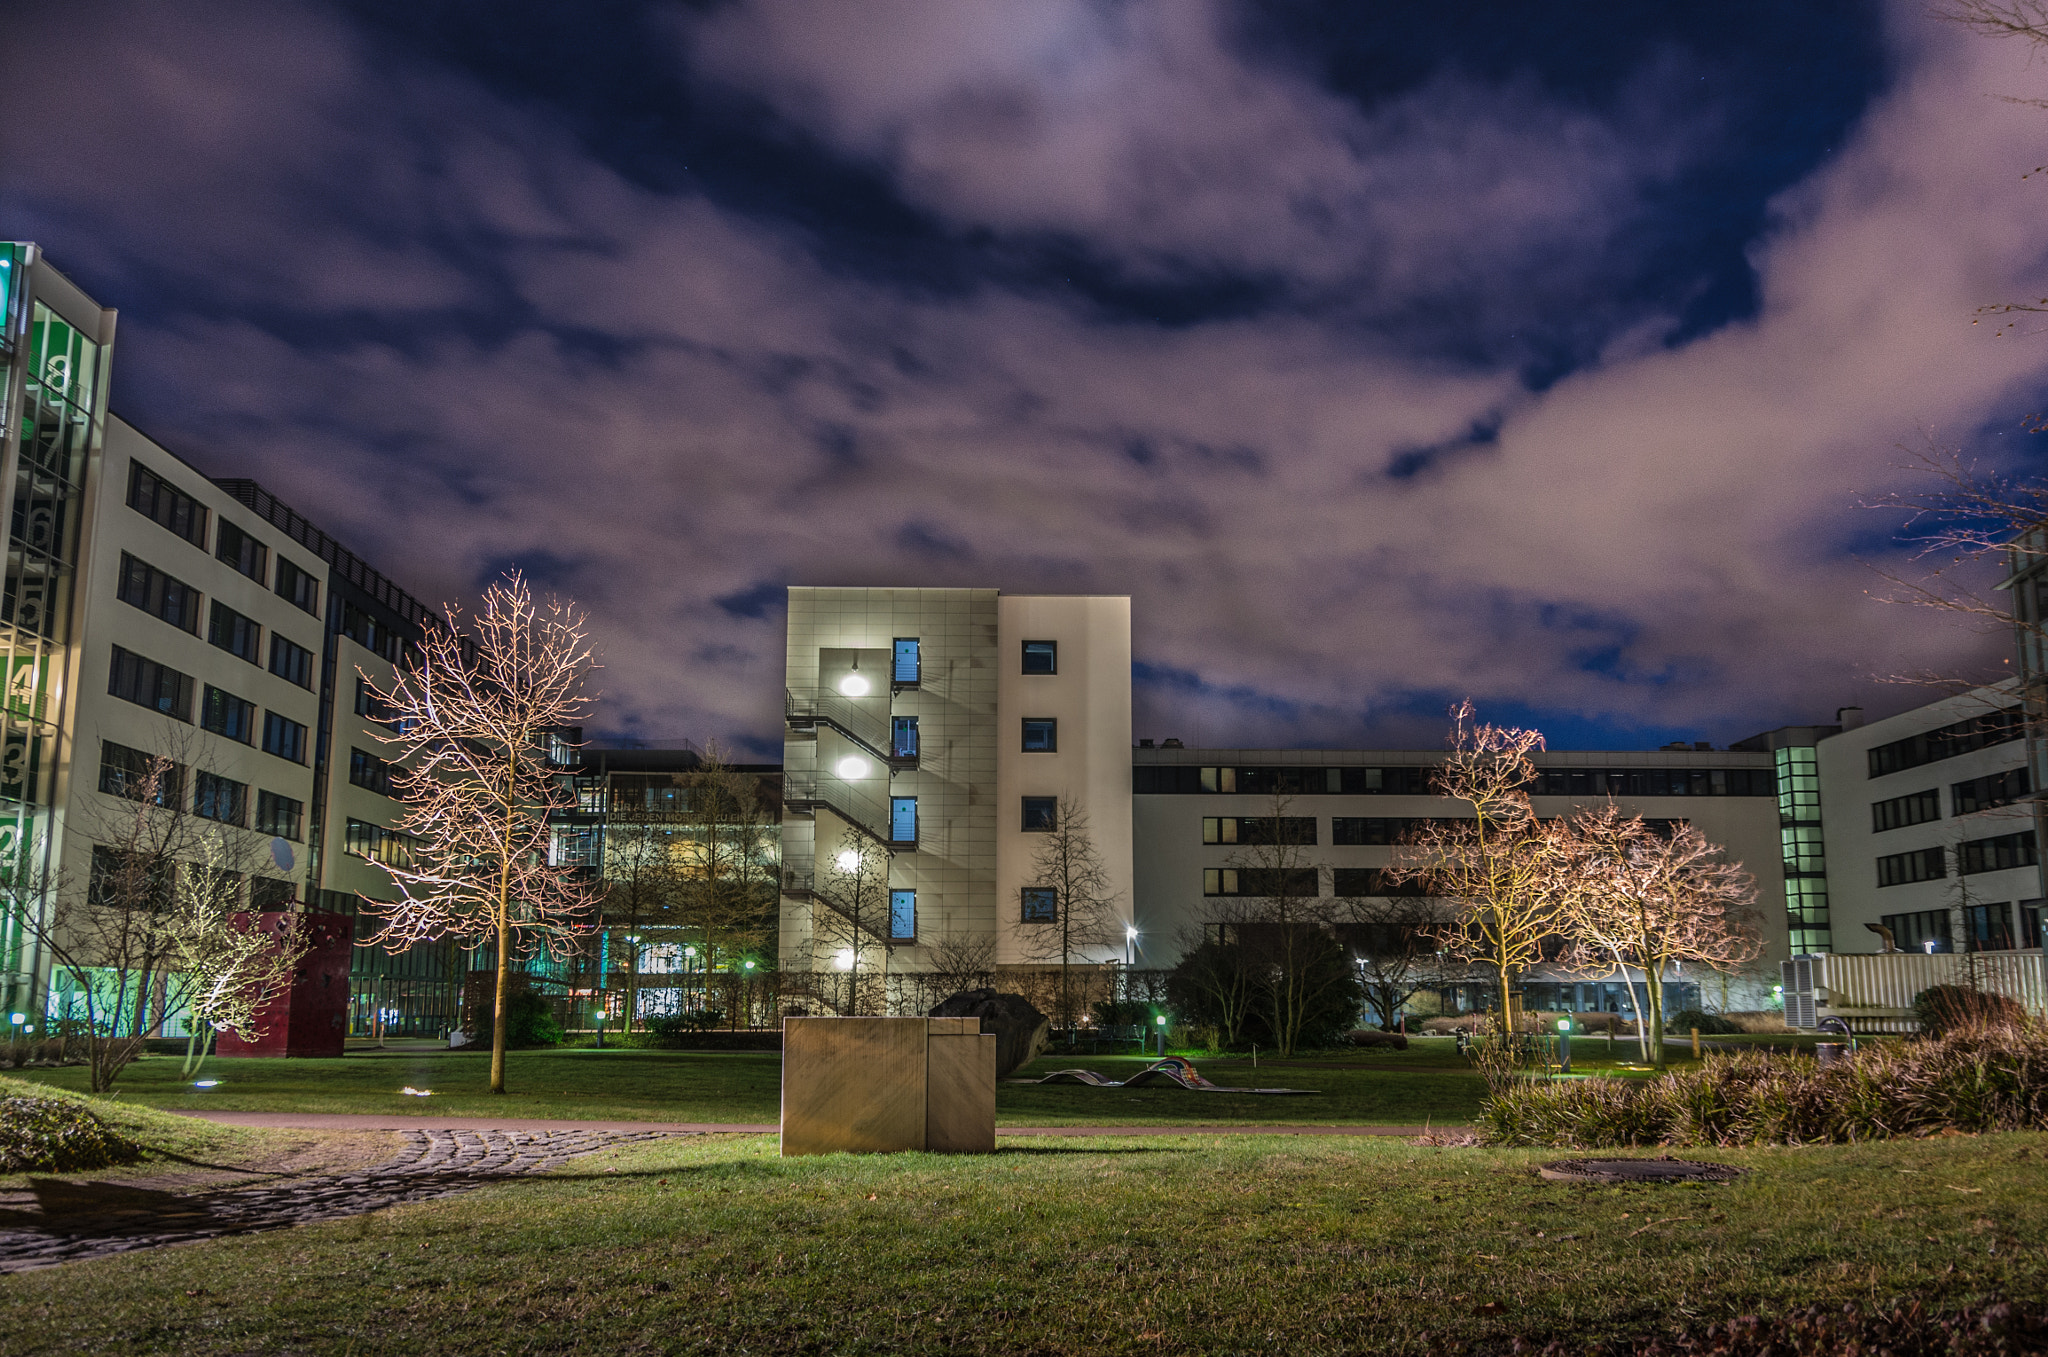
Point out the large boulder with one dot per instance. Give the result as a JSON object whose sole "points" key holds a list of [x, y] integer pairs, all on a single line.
{"points": [[1020, 1030]]}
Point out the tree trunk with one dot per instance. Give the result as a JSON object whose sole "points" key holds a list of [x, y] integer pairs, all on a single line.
{"points": [[498, 1025], [1653, 1023]]}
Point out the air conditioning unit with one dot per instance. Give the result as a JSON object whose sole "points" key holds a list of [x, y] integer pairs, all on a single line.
{"points": [[1797, 975]]}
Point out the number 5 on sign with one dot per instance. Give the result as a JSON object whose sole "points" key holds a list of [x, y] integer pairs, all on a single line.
{"points": [[25, 685]]}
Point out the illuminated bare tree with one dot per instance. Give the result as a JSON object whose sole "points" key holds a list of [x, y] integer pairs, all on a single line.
{"points": [[477, 723], [1639, 897], [729, 891], [230, 969], [1083, 901], [1496, 870], [642, 878], [850, 914]]}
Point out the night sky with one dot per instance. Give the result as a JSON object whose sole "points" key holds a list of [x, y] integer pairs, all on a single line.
{"points": [[1384, 354]]}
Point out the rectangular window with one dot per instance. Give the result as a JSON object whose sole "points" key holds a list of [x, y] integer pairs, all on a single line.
{"points": [[1924, 931], [377, 843], [284, 737], [1041, 905], [144, 586], [1901, 869], [903, 819], [242, 551], [1219, 780], [1262, 829], [124, 879], [902, 916], [1988, 928], [154, 498], [369, 772], [1996, 854], [150, 684], [903, 737], [268, 893], [372, 707], [1263, 881], [1960, 737], [1041, 735], [1355, 830], [134, 776], [225, 714], [372, 635], [219, 798], [234, 633], [299, 588], [1993, 789], [1041, 657], [1914, 809], [1362, 881], [1041, 814], [907, 672], [279, 815], [291, 662], [2031, 920], [1401, 781]]}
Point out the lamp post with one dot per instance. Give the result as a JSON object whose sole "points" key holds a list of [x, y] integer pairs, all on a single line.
{"points": [[1564, 1045], [1161, 1021]]}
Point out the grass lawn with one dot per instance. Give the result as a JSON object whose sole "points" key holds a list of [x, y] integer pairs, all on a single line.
{"points": [[167, 1141], [1095, 1246], [745, 1086]]}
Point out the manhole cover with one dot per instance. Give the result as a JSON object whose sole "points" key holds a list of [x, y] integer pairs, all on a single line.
{"points": [[1666, 1170]]}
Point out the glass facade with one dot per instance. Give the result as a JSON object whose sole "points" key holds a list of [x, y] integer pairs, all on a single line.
{"points": [[1806, 866]]}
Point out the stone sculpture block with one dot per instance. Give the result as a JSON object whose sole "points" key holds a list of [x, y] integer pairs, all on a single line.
{"points": [[881, 1085], [1020, 1030]]}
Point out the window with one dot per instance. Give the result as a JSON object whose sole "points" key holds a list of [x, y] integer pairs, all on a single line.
{"points": [[1358, 881], [157, 594], [284, 737], [2030, 924], [903, 737], [1922, 864], [377, 843], [1993, 789], [1978, 732], [1041, 905], [907, 669], [1041, 814], [1635, 782], [1405, 781], [1996, 854], [1041, 657], [268, 893], [294, 584], [134, 776], [1041, 735], [225, 714], [241, 551], [118, 878], [902, 916], [1987, 928], [291, 662], [1925, 931], [1296, 829], [372, 707], [1351, 831], [1266, 881], [150, 684], [279, 815], [152, 497], [903, 819], [1900, 811], [369, 772], [219, 798], [234, 633], [366, 631]]}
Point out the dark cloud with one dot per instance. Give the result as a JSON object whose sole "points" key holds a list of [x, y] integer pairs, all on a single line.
{"points": [[1123, 298]]}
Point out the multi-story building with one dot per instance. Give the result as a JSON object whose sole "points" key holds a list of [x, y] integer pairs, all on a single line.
{"points": [[944, 728], [150, 611]]}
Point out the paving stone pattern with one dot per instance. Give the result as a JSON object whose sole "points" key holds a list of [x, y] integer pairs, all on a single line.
{"points": [[63, 1222]]}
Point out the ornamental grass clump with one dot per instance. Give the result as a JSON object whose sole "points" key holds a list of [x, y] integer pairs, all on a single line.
{"points": [[56, 1135], [1974, 1080]]}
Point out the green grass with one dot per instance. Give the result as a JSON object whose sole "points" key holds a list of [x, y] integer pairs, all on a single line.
{"points": [[745, 1087], [167, 1141], [1096, 1246]]}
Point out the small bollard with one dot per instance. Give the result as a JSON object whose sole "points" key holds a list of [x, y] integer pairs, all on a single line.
{"points": [[1828, 1052], [1695, 1043]]}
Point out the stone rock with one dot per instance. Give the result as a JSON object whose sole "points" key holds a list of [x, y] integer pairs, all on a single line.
{"points": [[1020, 1030]]}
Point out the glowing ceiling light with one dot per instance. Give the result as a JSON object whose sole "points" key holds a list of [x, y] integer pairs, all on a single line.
{"points": [[853, 767], [853, 685], [844, 960], [848, 859]]}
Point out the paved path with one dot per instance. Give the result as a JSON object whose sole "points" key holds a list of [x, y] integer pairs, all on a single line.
{"points": [[58, 1221], [357, 1121]]}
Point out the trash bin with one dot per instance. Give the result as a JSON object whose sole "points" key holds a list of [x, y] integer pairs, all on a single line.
{"points": [[1828, 1052]]}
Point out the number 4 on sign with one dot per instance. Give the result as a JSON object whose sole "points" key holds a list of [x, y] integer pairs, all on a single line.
{"points": [[25, 685]]}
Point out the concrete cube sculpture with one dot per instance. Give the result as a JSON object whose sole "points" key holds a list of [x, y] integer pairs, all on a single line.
{"points": [[882, 1085]]}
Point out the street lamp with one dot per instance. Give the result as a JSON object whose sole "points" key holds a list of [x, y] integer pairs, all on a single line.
{"points": [[1564, 1045], [1161, 1021]]}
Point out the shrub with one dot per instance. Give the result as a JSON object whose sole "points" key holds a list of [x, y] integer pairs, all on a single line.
{"points": [[530, 1021], [55, 1135], [1972, 1080], [1950, 1008], [1709, 1024], [1470, 1022], [1372, 1040], [1763, 1024]]}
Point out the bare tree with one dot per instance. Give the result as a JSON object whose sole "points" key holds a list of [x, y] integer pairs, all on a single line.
{"points": [[729, 888], [1082, 901], [959, 962], [231, 969], [477, 721], [851, 914], [1639, 897], [642, 878], [1497, 869], [1214, 981], [1394, 940]]}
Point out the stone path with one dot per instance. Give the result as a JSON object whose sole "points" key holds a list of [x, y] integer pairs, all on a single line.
{"points": [[363, 1121], [61, 1221]]}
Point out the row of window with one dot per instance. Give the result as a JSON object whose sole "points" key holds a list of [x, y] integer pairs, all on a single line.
{"points": [[1302, 881], [378, 844], [176, 602], [906, 669], [134, 776], [1997, 854], [138, 679], [1986, 928], [1965, 798], [1960, 737], [1416, 780], [161, 502], [370, 773], [110, 878], [1345, 830]]}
